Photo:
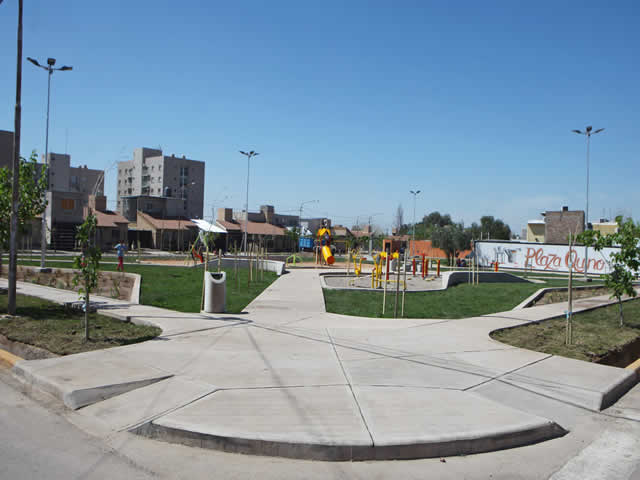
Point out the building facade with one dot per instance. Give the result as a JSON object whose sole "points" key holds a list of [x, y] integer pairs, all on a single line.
{"points": [[151, 173]]}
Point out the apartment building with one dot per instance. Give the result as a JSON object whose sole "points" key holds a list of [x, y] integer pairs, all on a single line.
{"points": [[65, 178], [150, 173]]}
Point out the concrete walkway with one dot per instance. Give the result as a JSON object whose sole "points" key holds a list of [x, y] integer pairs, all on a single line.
{"points": [[286, 378]]}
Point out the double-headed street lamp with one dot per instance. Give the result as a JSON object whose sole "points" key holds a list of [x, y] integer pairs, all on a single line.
{"points": [[49, 68], [415, 194], [587, 133], [246, 221]]}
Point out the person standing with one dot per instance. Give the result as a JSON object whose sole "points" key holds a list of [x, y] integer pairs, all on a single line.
{"points": [[120, 248]]}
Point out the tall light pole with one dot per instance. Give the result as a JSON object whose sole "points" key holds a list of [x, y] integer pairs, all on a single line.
{"points": [[300, 219], [49, 68], [371, 232], [246, 220], [415, 194], [15, 177], [587, 133]]}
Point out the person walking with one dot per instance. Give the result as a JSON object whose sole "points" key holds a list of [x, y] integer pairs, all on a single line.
{"points": [[120, 248]]}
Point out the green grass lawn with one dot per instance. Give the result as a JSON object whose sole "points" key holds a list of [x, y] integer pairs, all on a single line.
{"points": [[47, 325], [594, 333], [460, 301], [180, 288]]}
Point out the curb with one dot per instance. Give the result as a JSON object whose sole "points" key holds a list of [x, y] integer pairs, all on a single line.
{"points": [[9, 358], [635, 366]]}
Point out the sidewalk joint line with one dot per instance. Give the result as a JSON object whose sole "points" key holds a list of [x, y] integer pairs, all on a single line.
{"points": [[355, 399]]}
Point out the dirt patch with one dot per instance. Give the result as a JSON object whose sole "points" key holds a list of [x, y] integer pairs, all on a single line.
{"points": [[557, 296], [110, 284], [28, 352]]}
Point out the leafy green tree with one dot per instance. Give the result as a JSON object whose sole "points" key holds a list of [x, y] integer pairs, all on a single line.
{"points": [[87, 264], [624, 263], [452, 239], [33, 185]]}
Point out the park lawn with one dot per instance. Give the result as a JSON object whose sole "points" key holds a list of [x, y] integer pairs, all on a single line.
{"points": [[594, 333], [180, 288], [48, 325], [461, 301]]}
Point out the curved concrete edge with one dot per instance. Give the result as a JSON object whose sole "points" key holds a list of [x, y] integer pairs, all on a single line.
{"points": [[496, 440], [81, 397], [275, 266], [534, 297], [618, 388], [9, 358], [135, 290]]}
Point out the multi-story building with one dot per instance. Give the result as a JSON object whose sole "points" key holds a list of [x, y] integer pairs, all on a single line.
{"points": [[150, 173], [65, 178]]}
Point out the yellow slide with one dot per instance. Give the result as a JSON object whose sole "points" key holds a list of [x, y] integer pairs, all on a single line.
{"points": [[328, 256]]}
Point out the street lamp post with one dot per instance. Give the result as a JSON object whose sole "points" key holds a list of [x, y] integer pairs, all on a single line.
{"points": [[49, 68], [587, 133], [371, 233], [415, 194], [300, 220], [246, 220]]}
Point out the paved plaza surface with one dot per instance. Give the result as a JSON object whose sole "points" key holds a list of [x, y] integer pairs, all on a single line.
{"points": [[287, 379]]}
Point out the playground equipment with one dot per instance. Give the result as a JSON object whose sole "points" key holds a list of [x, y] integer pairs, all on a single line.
{"points": [[324, 240], [357, 263]]}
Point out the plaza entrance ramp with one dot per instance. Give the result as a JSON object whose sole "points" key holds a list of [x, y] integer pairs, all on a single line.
{"points": [[286, 378]]}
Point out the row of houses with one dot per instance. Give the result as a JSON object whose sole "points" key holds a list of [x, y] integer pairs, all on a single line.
{"points": [[157, 198]]}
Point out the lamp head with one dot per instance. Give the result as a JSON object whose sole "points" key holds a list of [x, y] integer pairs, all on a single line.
{"points": [[577, 131], [51, 62], [65, 67], [34, 61], [589, 128]]}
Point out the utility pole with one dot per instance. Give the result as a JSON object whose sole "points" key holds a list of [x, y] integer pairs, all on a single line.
{"points": [[15, 178]]}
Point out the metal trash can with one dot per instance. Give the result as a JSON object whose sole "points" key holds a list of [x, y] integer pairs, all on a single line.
{"points": [[215, 292]]}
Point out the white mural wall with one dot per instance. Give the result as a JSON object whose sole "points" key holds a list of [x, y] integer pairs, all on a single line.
{"points": [[540, 256]]}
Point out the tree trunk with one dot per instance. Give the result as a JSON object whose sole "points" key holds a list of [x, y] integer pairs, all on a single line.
{"points": [[86, 312], [620, 308]]}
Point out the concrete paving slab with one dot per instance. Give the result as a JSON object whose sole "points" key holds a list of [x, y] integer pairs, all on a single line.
{"points": [[585, 384], [245, 357], [491, 363], [143, 404], [321, 423], [628, 406], [87, 378], [404, 372], [422, 423]]}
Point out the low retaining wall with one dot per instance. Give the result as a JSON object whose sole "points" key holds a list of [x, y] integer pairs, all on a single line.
{"points": [[123, 286], [455, 278], [269, 265], [535, 298]]}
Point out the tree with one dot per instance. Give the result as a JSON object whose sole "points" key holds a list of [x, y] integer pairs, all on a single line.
{"points": [[435, 219], [398, 221], [87, 264], [624, 263], [496, 229], [33, 185], [452, 239]]}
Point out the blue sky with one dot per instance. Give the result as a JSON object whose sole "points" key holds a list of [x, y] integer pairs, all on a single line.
{"points": [[349, 103]]}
